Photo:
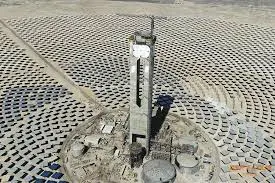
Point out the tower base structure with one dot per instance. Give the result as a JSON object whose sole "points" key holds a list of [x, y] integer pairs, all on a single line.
{"points": [[107, 154]]}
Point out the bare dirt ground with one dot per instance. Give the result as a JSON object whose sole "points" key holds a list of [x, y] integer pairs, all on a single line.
{"points": [[252, 12]]}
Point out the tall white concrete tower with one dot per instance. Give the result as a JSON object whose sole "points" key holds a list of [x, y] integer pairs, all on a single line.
{"points": [[141, 66]]}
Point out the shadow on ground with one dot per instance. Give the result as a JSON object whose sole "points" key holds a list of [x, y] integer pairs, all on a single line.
{"points": [[162, 106]]}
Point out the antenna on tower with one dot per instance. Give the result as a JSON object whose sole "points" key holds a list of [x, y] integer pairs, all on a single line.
{"points": [[152, 25], [152, 18]]}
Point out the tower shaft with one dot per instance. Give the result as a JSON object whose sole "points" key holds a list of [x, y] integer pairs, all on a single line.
{"points": [[141, 86]]}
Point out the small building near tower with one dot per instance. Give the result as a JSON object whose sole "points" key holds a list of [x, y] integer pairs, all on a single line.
{"points": [[187, 163], [158, 171]]}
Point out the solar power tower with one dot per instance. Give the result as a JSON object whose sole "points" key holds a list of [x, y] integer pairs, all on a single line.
{"points": [[141, 85]]}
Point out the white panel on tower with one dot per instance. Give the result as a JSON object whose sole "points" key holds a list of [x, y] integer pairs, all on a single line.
{"points": [[141, 51]]}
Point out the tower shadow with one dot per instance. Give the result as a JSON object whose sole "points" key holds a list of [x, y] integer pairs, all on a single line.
{"points": [[160, 111]]}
